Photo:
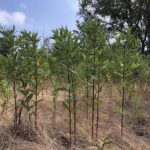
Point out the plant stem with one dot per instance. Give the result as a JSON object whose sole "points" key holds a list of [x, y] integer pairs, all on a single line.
{"points": [[93, 92], [87, 100], [36, 92], [97, 124], [15, 99], [123, 92], [93, 107], [74, 107], [69, 98]]}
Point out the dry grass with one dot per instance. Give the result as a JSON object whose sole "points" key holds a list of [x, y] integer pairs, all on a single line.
{"points": [[49, 137]]}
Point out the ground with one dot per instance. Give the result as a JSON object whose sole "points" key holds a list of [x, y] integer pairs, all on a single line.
{"points": [[55, 136]]}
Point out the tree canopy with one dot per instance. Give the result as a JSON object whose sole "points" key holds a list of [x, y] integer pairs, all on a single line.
{"points": [[118, 15]]}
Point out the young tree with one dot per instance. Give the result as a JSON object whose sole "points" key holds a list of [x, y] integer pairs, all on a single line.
{"points": [[127, 65], [9, 45], [92, 33], [33, 71], [66, 54]]}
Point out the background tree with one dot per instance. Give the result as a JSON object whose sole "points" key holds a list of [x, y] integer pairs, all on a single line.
{"points": [[118, 15]]}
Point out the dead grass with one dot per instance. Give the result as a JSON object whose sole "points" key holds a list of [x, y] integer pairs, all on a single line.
{"points": [[49, 137]]}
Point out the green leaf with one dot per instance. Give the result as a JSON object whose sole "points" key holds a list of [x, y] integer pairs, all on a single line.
{"points": [[24, 106], [37, 102], [73, 71], [31, 113], [100, 89], [24, 92], [29, 97], [40, 100], [93, 77], [65, 105], [98, 101], [60, 89], [123, 84], [121, 64], [84, 56], [89, 84], [119, 74]]}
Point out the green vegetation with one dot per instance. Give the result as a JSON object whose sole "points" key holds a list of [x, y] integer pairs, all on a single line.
{"points": [[79, 63]]}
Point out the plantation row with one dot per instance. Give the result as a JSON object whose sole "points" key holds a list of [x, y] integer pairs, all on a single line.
{"points": [[87, 59]]}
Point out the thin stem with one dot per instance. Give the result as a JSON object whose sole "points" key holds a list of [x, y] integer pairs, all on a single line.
{"points": [[15, 99], [74, 107], [87, 99], [93, 107], [93, 92], [69, 97], [123, 92], [97, 113], [36, 92]]}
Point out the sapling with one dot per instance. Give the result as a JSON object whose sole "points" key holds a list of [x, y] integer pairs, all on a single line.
{"points": [[34, 41], [65, 50], [123, 86], [91, 34], [90, 31], [37, 67], [26, 101], [74, 88], [127, 59], [102, 143], [8, 43]]}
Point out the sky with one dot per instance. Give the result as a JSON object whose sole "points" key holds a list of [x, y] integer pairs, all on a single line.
{"points": [[39, 15]]}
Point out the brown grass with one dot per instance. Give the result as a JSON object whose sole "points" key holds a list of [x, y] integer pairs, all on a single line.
{"points": [[49, 137]]}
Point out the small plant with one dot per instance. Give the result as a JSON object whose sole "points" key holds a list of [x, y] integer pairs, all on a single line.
{"points": [[26, 102], [102, 143]]}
